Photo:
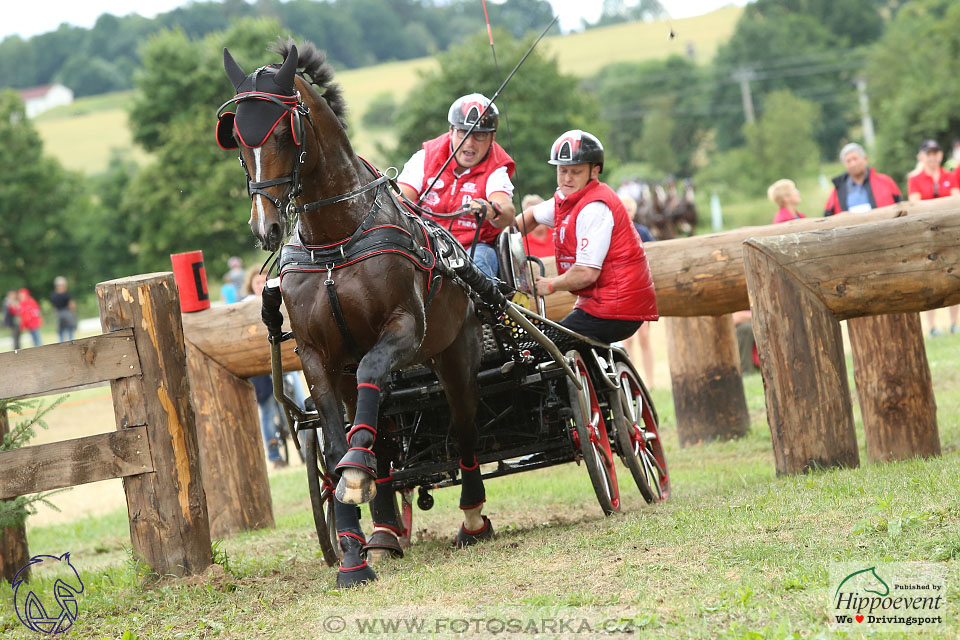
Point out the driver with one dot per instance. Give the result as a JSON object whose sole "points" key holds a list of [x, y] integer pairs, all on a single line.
{"points": [[600, 257], [477, 178]]}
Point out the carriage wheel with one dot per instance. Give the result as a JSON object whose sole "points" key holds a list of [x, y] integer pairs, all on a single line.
{"points": [[591, 438], [637, 437], [321, 499]]}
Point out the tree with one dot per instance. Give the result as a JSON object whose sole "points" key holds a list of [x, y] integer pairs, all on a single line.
{"points": [[783, 48], [617, 11], [910, 106], [539, 104], [41, 205], [782, 141], [656, 140], [193, 196], [631, 92]]}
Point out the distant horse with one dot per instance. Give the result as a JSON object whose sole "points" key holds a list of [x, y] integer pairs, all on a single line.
{"points": [[684, 213], [349, 304], [661, 226]]}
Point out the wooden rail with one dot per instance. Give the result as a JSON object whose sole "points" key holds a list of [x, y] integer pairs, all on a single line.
{"points": [[73, 462], [58, 367]]}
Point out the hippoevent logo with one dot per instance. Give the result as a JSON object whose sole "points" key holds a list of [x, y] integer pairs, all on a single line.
{"points": [[53, 610], [892, 596]]}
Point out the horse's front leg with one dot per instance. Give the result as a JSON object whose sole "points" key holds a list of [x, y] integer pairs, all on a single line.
{"points": [[324, 389], [385, 539], [398, 342]]}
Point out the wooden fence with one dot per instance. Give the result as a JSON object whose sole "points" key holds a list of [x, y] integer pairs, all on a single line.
{"points": [[155, 447]]}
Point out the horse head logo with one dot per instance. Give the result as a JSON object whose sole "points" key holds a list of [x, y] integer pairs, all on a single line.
{"points": [[31, 609], [866, 580]]}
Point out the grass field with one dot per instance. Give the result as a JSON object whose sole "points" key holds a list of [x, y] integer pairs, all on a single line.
{"points": [[83, 134], [736, 553]]}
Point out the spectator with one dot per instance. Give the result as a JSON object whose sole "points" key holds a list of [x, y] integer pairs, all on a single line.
{"points": [[29, 313], [786, 196], [638, 345], [861, 188], [954, 162], [269, 409], [10, 317], [630, 204], [539, 242], [233, 281], [66, 309], [933, 181]]}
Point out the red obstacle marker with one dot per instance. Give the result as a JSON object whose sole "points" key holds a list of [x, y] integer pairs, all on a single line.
{"points": [[191, 277]]}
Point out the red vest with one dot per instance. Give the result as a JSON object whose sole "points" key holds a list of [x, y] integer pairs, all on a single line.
{"points": [[624, 290], [450, 192]]}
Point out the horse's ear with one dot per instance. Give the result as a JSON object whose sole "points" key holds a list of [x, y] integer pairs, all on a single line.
{"points": [[234, 72], [285, 75]]}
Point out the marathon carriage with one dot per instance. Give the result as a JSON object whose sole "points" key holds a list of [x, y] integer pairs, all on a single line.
{"points": [[445, 381], [534, 413]]}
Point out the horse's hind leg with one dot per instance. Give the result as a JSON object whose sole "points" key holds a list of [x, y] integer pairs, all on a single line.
{"points": [[358, 467], [457, 370]]}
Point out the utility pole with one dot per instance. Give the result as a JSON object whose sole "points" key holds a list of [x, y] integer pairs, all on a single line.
{"points": [[743, 75], [868, 136]]}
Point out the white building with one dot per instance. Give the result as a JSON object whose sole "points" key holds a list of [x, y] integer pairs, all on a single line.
{"points": [[45, 97]]}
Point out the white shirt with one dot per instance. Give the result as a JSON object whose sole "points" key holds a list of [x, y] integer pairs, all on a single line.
{"points": [[594, 230], [412, 176]]}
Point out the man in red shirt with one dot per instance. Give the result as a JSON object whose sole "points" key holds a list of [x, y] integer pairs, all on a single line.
{"points": [[932, 180], [478, 177], [861, 188], [599, 254], [929, 182]]}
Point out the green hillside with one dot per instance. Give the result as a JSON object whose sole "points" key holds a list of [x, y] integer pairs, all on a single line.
{"points": [[83, 134]]}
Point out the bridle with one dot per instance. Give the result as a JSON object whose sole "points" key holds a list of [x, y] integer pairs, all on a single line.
{"points": [[297, 110]]}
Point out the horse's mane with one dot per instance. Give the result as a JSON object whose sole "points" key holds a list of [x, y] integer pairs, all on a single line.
{"points": [[314, 64]]}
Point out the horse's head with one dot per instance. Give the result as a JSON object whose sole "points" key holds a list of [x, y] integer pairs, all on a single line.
{"points": [[268, 129]]}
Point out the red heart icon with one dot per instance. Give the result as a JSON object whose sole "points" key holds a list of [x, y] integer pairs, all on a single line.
{"points": [[859, 618]]}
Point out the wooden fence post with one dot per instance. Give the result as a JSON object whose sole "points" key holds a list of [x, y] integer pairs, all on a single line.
{"points": [[804, 372], [231, 450], [707, 387], [169, 527], [893, 382], [13, 540]]}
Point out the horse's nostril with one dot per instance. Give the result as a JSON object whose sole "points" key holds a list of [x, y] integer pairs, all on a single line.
{"points": [[274, 234]]}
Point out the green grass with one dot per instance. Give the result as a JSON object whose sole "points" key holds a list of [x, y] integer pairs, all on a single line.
{"points": [[736, 553], [82, 135]]}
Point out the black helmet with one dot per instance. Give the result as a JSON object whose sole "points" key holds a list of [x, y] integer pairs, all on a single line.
{"points": [[467, 110], [576, 147]]}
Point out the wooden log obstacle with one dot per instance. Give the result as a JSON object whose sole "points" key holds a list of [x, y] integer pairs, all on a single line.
{"points": [[704, 276], [802, 285]]}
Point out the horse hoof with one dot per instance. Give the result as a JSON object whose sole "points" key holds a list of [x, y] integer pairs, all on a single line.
{"points": [[469, 538], [382, 545], [355, 576], [355, 487]]}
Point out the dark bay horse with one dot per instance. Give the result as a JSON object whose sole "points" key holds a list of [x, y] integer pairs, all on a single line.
{"points": [[298, 159]]}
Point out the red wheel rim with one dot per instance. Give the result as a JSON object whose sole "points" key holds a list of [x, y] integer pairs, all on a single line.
{"points": [[599, 440]]}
